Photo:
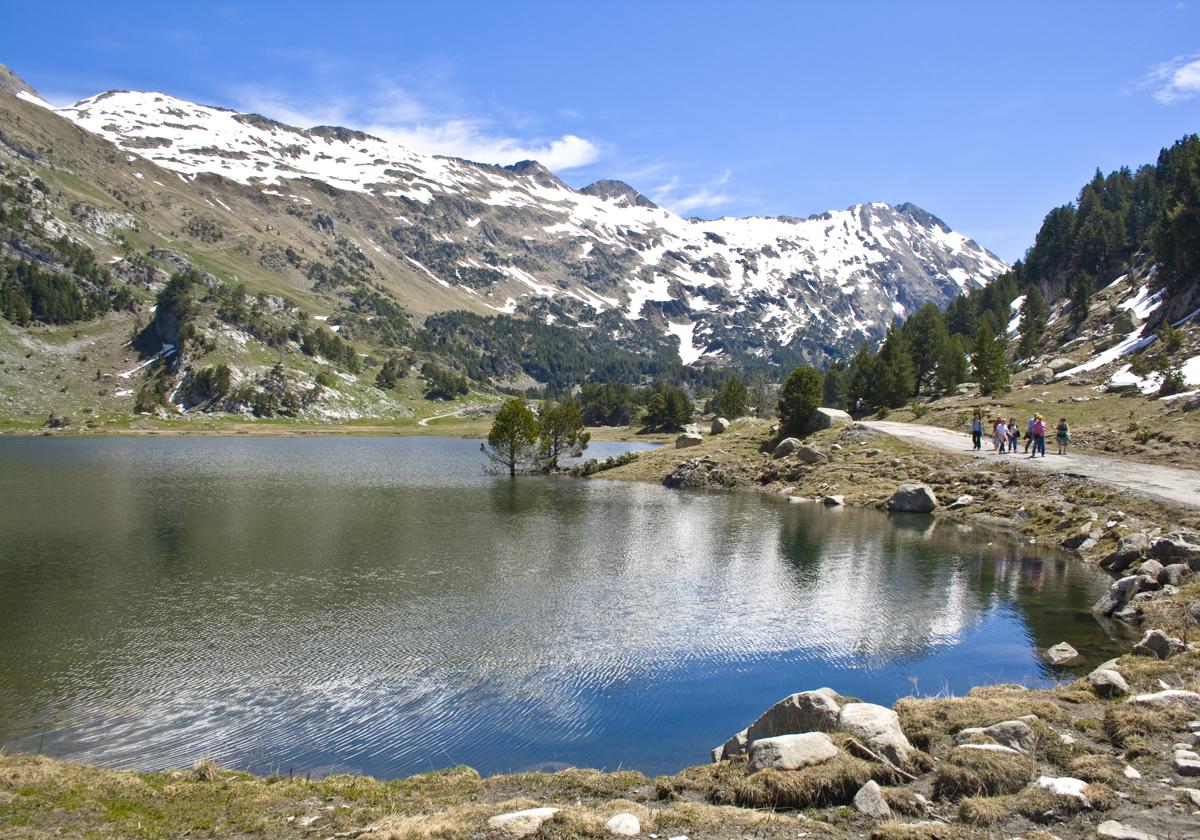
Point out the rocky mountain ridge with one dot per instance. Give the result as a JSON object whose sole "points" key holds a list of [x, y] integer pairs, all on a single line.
{"points": [[516, 239]]}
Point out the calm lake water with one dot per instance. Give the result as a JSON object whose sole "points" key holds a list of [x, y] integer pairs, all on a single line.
{"points": [[380, 605]]}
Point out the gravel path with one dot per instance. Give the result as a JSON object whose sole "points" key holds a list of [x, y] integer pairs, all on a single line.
{"points": [[1171, 484]]}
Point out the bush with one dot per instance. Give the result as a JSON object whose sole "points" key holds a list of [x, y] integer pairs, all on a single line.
{"points": [[799, 398]]}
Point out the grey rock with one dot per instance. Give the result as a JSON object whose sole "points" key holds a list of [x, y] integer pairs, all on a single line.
{"points": [[1186, 762], [1187, 700], [688, 439], [878, 727], [812, 455], [961, 502], [1159, 645], [1118, 595], [1129, 549], [719, 425], [835, 500], [1151, 568], [1119, 831], [806, 711], [1108, 683], [1058, 365], [999, 748], [791, 752], [1174, 574], [786, 447], [869, 801], [522, 823], [1015, 734], [1041, 376], [624, 825], [828, 418], [1178, 547], [913, 498], [1060, 654]]}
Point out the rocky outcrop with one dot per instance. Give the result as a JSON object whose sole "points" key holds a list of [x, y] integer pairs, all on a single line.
{"points": [[913, 498], [1178, 547], [805, 711], [701, 471], [1159, 645], [1041, 376], [878, 727]]}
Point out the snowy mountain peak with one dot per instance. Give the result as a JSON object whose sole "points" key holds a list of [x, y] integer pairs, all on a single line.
{"points": [[516, 238]]}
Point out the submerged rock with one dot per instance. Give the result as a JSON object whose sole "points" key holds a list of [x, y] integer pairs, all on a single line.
{"points": [[1060, 654]]}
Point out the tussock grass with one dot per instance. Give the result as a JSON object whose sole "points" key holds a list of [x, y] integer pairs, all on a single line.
{"points": [[1129, 725], [833, 782], [980, 773], [926, 721], [917, 831], [903, 801], [1103, 769], [1035, 804]]}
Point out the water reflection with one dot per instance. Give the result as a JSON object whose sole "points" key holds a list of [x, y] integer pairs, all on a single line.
{"points": [[380, 605]]}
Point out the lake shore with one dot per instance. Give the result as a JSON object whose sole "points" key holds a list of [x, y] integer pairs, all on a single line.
{"points": [[941, 790]]}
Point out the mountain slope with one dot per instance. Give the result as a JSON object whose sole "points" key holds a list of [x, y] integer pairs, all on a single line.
{"points": [[516, 239]]}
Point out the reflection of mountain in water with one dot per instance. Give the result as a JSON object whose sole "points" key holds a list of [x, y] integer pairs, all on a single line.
{"points": [[380, 605]]}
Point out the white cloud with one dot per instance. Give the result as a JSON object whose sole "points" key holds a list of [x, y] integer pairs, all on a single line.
{"points": [[684, 201], [1177, 80], [394, 114]]}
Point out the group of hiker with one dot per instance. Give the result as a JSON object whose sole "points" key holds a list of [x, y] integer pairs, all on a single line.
{"points": [[1006, 434]]}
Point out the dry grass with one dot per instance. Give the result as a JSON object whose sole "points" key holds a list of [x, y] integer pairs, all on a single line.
{"points": [[903, 801], [1103, 769], [917, 831], [833, 782], [981, 773], [1035, 804], [1129, 725], [926, 721]]}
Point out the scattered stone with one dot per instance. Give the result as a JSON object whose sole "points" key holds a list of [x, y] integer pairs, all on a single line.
{"points": [[961, 502], [791, 752], [719, 425], [913, 498], [1064, 786], [624, 825], [786, 447], [869, 800], [836, 500], [1061, 363], [1189, 700], [835, 447], [1060, 654], [1131, 772], [522, 823], [878, 727], [1187, 763], [1041, 376], [812, 455], [1159, 645], [1150, 568], [688, 439], [1014, 734], [1190, 793], [827, 418], [1174, 574], [1108, 683], [1036, 400], [1129, 549], [999, 748], [1118, 831]]}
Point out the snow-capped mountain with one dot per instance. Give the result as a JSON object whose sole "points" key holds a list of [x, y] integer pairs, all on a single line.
{"points": [[516, 238]]}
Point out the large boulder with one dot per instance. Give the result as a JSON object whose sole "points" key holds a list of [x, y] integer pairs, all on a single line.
{"points": [[786, 447], [1118, 595], [688, 439], [913, 498], [1041, 376], [827, 418], [1178, 547], [1108, 683], [806, 711], [1159, 645], [791, 752], [719, 424], [878, 727], [1060, 364]]}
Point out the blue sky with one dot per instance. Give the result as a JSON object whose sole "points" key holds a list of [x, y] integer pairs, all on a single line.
{"points": [[987, 115]]}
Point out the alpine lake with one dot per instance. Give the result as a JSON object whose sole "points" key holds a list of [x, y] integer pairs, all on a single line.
{"points": [[383, 606]]}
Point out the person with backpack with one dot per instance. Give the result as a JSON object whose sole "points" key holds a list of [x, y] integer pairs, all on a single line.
{"points": [[977, 430], [1064, 435], [1039, 436], [1014, 435], [1000, 433]]}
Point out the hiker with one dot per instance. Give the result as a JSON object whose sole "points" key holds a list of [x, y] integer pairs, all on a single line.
{"points": [[1029, 432], [1014, 435], [1000, 431], [977, 430], [1063, 436], [1039, 436]]}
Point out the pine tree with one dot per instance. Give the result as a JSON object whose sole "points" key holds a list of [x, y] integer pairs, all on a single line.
{"points": [[833, 389], [1081, 297], [952, 366], [860, 381], [798, 399], [730, 401], [511, 442], [561, 432], [990, 359], [1033, 322], [926, 336], [895, 375]]}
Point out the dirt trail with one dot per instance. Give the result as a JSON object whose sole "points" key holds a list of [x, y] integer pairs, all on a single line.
{"points": [[1171, 484], [425, 422]]}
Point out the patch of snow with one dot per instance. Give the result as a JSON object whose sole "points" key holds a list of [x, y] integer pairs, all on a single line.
{"points": [[688, 351]]}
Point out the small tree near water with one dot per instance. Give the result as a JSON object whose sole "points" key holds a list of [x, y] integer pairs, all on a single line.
{"points": [[561, 432], [512, 443], [798, 399]]}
